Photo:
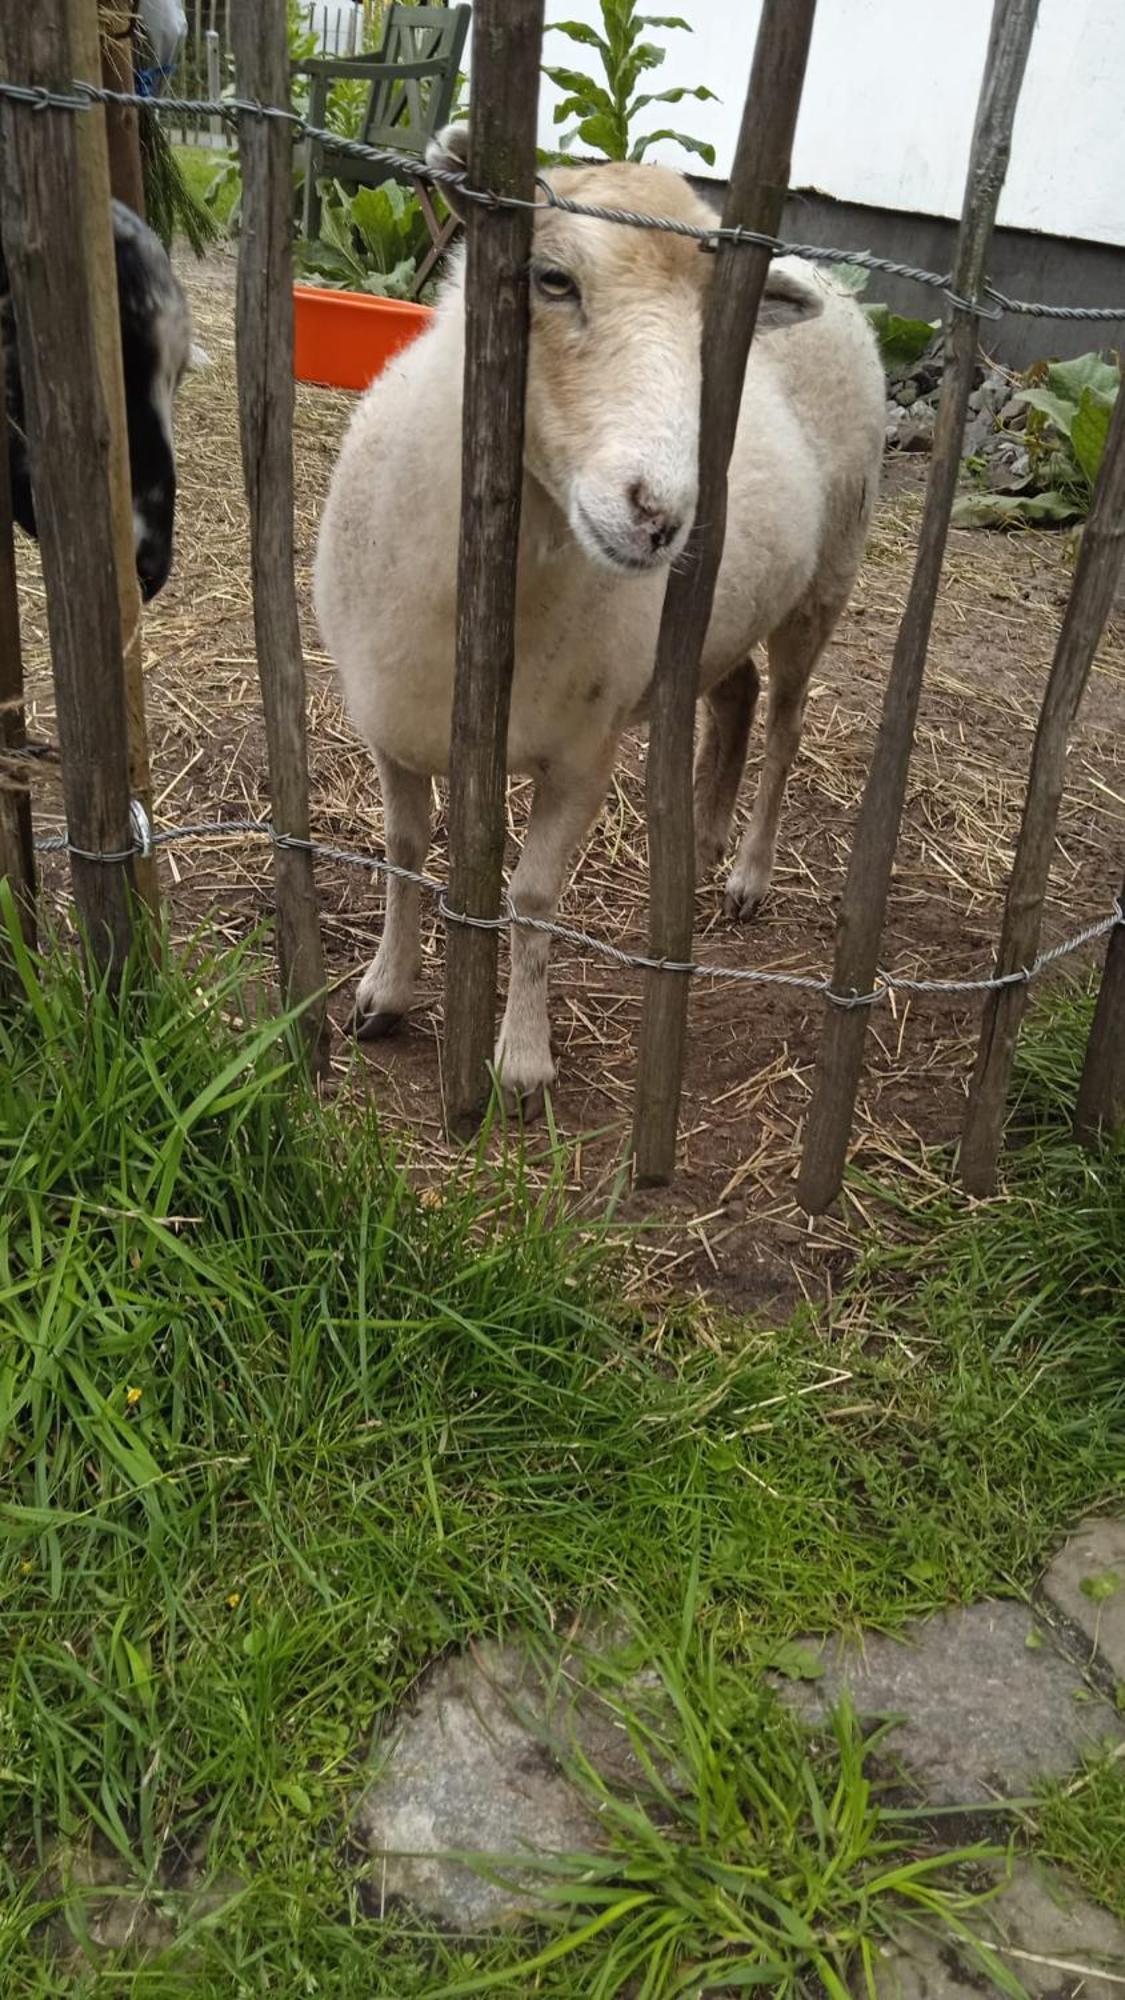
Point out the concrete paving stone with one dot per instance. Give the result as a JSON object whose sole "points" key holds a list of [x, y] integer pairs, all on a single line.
{"points": [[1094, 1556], [473, 1767], [986, 1714], [1059, 1945]]}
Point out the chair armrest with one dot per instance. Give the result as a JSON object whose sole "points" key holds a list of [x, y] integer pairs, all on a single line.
{"points": [[368, 72]]}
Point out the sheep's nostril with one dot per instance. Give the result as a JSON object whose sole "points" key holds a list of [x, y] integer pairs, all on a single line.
{"points": [[661, 526]]}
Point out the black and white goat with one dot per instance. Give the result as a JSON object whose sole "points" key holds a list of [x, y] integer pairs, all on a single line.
{"points": [[155, 348]]}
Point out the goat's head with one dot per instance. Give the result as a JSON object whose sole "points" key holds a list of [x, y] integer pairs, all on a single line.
{"points": [[613, 392], [155, 347]]}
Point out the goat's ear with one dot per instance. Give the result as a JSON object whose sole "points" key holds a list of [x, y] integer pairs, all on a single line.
{"points": [[787, 299], [449, 153]]}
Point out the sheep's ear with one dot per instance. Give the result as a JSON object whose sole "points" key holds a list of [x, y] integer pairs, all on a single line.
{"points": [[787, 300], [449, 153]]}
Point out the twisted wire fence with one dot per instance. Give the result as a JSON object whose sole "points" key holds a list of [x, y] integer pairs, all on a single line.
{"points": [[149, 838], [992, 304]]}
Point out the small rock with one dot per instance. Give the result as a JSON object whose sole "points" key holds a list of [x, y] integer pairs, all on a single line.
{"points": [[473, 1768], [1045, 1932], [1013, 413], [1086, 1582], [905, 395], [198, 359], [1009, 468], [985, 1715]]}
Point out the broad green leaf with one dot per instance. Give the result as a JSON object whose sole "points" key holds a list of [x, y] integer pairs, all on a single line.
{"points": [[1061, 412], [602, 133], [664, 21], [674, 96], [588, 96], [901, 341], [579, 31], [684, 139], [1090, 430], [1086, 371], [1007, 510], [853, 277]]}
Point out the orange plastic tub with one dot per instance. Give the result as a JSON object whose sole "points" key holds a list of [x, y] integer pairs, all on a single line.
{"points": [[342, 340]]}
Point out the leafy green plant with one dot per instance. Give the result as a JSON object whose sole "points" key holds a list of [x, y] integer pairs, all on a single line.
{"points": [[901, 341], [1069, 406], [370, 241], [607, 111]]}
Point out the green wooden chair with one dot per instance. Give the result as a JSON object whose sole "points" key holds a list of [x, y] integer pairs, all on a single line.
{"points": [[413, 78]]}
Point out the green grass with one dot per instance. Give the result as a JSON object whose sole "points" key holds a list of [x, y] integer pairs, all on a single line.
{"points": [[201, 167], [369, 1427], [1081, 1824]]}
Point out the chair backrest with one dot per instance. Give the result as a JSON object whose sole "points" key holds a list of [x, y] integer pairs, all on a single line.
{"points": [[406, 112]]}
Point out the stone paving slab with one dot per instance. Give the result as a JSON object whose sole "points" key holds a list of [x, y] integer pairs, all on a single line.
{"points": [[473, 1769], [1095, 1557], [1058, 1944], [986, 1714]]}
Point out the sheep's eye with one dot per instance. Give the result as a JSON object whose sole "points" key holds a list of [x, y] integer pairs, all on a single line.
{"points": [[552, 284]]}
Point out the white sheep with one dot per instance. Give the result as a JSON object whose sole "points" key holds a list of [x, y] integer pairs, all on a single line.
{"points": [[612, 439]]}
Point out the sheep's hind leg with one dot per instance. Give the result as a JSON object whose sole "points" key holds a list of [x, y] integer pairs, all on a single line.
{"points": [[566, 804], [794, 649], [720, 760], [386, 991]]}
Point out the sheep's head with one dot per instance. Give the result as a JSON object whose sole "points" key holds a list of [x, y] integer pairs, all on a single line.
{"points": [[155, 346], [613, 389]]}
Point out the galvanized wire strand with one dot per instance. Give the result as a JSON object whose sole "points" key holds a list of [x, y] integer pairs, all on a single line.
{"points": [[992, 305], [803, 982]]}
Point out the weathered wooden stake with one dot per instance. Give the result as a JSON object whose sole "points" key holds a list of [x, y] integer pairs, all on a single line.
{"points": [[17, 847], [94, 165], [758, 187], [1091, 597], [266, 395], [863, 905], [507, 38], [122, 121], [45, 201], [1101, 1093]]}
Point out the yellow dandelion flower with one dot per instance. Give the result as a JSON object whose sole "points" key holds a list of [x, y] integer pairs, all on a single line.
{"points": [[26, 1567], [132, 1396], [234, 1599]]}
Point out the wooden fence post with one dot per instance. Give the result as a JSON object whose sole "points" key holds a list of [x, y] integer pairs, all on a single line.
{"points": [[1101, 1093], [758, 187], [507, 38], [17, 847], [95, 164], [214, 79], [863, 905], [265, 398], [45, 203], [122, 121], [1088, 607]]}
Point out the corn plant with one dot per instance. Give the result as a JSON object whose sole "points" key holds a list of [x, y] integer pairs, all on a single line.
{"points": [[606, 112]]}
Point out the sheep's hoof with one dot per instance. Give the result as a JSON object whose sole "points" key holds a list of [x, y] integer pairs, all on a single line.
{"points": [[374, 1027], [741, 906], [526, 1105]]}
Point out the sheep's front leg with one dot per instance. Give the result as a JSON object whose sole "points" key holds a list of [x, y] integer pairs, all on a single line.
{"points": [[566, 804], [728, 713], [386, 991]]}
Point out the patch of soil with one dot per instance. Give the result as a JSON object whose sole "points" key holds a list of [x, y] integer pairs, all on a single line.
{"points": [[730, 1224]]}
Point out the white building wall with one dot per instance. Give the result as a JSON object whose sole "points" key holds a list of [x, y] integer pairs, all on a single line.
{"points": [[888, 107]]}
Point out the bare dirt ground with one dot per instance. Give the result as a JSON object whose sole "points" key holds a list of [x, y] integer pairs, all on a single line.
{"points": [[731, 1222]]}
